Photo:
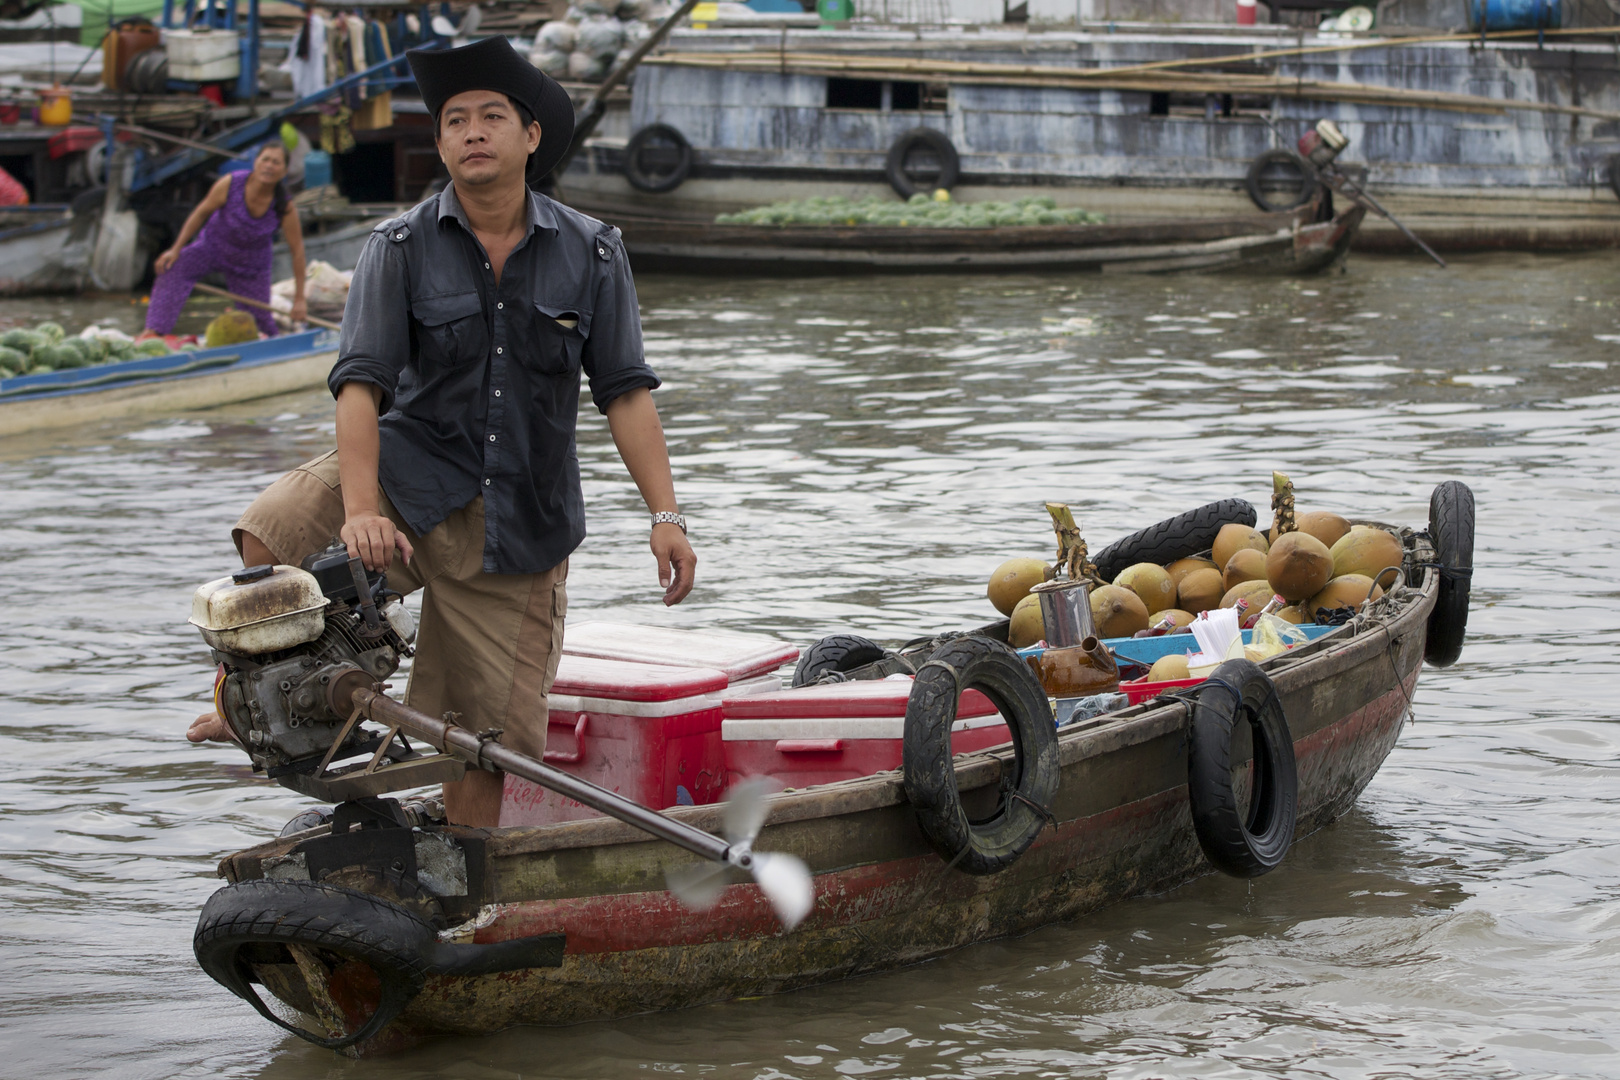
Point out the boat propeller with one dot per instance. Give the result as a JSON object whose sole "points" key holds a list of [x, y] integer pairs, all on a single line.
{"points": [[784, 879]]}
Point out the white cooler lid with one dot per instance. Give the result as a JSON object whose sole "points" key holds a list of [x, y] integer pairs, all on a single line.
{"points": [[739, 655], [624, 680]]}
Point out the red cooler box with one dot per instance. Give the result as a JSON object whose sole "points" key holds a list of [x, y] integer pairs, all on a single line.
{"points": [[837, 731], [647, 731], [749, 660]]}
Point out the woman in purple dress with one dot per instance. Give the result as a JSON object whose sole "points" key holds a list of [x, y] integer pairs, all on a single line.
{"points": [[234, 226]]}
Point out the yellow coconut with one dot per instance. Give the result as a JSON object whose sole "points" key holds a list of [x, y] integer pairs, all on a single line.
{"points": [[1366, 552], [1200, 590], [1293, 613], [1257, 593], [1169, 667], [1026, 628], [1325, 525], [1347, 590], [1012, 581], [1246, 564], [1117, 611], [1182, 567], [1183, 619], [1298, 566], [1233, 538], [1150, 583]]}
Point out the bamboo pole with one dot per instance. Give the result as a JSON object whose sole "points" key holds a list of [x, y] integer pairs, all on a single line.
{"points": [[324, 324]]}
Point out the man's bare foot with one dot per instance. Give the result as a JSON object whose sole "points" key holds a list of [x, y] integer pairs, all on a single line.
{"points": [[210, 728]]}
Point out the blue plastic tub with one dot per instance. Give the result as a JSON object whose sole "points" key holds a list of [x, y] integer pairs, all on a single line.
{"points": [[1147, 650], [1516, 14]]}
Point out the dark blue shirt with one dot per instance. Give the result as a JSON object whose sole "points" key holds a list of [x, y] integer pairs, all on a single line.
{"points": [[480, 382]]}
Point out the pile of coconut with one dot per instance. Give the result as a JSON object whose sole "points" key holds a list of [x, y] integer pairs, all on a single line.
{"points": [[594, 37]]}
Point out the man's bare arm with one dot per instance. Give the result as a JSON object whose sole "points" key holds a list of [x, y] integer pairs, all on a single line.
{"points": [[633, 420], [366, 531]]}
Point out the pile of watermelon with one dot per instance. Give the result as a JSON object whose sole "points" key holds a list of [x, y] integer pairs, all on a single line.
{"points": [[47, 347]]}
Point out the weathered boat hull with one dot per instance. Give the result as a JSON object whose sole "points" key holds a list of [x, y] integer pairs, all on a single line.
{"points": [[196, 380], [46, 251], [1267, 243], [884, 898]]}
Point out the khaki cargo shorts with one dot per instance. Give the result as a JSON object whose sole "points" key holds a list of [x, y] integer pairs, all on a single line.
{"points": [[487, 645]]}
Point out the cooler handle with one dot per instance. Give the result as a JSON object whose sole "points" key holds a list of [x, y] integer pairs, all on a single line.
{"points": [[808, 746], [558, 757]]}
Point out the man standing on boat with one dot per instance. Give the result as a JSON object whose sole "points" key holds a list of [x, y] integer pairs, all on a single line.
{"points": [[468, 323]]}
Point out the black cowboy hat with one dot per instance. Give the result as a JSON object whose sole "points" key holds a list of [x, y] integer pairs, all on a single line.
{"points": [[492, 64]]}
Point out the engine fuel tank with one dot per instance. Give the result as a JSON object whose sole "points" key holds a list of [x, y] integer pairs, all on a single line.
{"points": [[260, 609]]}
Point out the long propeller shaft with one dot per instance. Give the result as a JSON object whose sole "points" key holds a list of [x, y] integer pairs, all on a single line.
{"points": [[486, 753]]}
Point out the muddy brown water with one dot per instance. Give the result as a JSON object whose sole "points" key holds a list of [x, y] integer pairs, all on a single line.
{"points": [[857, 454]]}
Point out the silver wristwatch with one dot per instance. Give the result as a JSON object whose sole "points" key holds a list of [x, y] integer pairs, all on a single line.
{"points": [[665, 517]]}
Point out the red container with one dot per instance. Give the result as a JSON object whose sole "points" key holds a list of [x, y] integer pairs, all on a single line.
{"points": [[647, 731], [745, 658], [1141, 690], [837, 731], [1246, 12]]}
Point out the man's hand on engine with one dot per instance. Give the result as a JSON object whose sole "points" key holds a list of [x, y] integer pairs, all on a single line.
{"points": [[373, 538]]}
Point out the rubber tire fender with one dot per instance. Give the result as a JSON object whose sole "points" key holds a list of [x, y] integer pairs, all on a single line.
{"points": [[929, 772], [1614, 174], [950, 162], [657, 185], [837, 652], [1174, 538], [1451, 525], [1257, 169], [391, 941], [1251, 844]]}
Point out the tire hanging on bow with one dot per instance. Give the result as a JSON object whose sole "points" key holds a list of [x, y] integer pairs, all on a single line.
{"points": [[1244, 841], [1023, 809], [1451, 524]]}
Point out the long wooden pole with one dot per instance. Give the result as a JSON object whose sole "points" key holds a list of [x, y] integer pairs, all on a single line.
{"points": [[324, 324]]}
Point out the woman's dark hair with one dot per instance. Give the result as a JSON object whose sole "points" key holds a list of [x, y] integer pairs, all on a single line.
{"points": [[278, 199]]}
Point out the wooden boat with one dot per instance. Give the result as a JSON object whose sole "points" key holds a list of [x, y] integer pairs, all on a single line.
{"points": [[593, 893], [44, 249], [1287, 243], [184, 380]]}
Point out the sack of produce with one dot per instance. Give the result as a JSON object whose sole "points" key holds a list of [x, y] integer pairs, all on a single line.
{"points": [[599, 7], [231, 328], [557, 35], [586, 68], [552, 63], [601, 37]]}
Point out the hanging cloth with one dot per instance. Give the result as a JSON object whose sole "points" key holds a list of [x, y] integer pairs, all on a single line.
{"points": [[378, 110], [306, 60]]}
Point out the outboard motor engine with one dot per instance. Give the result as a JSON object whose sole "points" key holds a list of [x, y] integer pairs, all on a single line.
{"points": [[287, 639], [1323, 143]]}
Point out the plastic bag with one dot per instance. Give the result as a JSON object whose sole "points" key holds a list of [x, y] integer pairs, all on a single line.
{"points": [[1272, 636]]}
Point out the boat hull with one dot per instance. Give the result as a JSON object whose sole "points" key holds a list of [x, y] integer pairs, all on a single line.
{"points": [[884, 898], [179, 382]]}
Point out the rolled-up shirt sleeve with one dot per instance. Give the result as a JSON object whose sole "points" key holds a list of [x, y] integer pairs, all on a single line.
{"points": [[614, 359], [375, 344]]}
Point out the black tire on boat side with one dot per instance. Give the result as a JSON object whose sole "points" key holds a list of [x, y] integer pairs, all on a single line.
{"points": [[1256, 181], [250, 915], [995, 670], [644, 179], [950, 163], [838, 652], [1174, 538], [1614, 174], [1238, 843], [1451, 525]]}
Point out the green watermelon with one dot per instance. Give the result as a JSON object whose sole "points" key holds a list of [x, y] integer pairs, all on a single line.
{"points": [[24, 341], [52, 331]]}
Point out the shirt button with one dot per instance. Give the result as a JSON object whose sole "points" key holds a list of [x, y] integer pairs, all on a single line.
{"points": [[399, 236], [487, 482], [497, 393], [499, 350], [499, 307], [492, 438], [486, 266]]}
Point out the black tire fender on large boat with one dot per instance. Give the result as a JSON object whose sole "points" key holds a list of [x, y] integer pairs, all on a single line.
{"points": [[836, 652], [1023, 810], [1254, 182], [247, 919], [1237, 842], [643, 179], [1174, 538], [950, 163], [1451, 526]]}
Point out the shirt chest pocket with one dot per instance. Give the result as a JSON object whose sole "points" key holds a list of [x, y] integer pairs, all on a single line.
{"points": [[558, 340], [451, 329]]}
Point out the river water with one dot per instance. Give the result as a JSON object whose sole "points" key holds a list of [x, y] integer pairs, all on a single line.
{"points": [[858, 454]]}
